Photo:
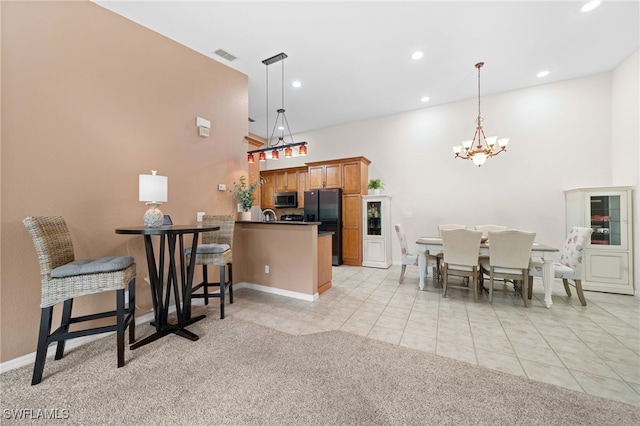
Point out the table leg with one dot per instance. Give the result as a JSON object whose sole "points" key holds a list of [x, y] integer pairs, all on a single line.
{"points": [[547, 278], [422, 265]]}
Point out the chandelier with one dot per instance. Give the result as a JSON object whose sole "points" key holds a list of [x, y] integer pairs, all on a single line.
{"points": [[480, 147], [276, 145]]}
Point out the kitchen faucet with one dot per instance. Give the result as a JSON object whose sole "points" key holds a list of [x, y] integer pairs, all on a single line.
{"points": [[265, 215]]}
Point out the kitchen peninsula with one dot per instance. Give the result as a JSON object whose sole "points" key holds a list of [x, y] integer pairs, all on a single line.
{"points": [[282, 257]]}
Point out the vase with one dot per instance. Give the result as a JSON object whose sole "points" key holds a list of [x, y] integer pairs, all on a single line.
{"points": [[376, 191], [245, 216]]}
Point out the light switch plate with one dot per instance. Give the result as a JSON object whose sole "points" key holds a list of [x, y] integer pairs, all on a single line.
{"points": [[199, 216]]}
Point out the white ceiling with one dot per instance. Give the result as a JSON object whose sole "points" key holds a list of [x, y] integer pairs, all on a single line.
{"points": [[353, 58]]}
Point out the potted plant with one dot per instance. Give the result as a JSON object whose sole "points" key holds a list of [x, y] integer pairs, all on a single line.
{"points": [[375, 185], [245, 194]]}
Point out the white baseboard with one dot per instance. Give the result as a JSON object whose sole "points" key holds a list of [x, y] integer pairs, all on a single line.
{"points": [[278, 291], [72, 343]]}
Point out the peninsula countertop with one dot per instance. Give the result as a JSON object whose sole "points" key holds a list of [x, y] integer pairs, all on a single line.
{"points": [[279, 222]]}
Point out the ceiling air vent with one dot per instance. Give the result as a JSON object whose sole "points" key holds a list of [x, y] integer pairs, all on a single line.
{"points": [[226, 55]]}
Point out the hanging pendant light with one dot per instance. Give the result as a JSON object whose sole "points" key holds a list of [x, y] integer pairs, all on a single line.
{"points": [[480, 148], [281, 124]]}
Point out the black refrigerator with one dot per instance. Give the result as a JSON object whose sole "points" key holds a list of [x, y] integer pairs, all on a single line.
{"points": [[325, 206]]}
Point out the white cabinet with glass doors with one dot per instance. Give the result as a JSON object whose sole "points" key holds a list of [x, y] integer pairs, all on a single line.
{"points": [[608, 258], [376, 227]]}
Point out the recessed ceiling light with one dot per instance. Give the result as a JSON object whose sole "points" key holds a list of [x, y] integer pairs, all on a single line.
{"points": [[543, 74], [296, 84], [417, 55], [424, 99], [590, 5]]}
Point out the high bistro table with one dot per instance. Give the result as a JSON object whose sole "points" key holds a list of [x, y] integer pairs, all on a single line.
{"points": [[161, 294], [544, 252]]}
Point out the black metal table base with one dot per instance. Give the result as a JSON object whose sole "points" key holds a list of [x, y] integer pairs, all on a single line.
{"points": [[179, 330]]}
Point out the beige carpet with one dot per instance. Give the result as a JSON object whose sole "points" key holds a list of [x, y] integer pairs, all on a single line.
{"points": [[242, 374]]}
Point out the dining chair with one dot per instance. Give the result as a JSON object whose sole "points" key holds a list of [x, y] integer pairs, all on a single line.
{"points": [[63, 278], [509, 257], [460, 248], [406, 258], [486, 228], [438, 255], [215, 249], [569, 266]]}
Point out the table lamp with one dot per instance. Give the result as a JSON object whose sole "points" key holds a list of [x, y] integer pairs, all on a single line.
{"points": [[153, 191]]}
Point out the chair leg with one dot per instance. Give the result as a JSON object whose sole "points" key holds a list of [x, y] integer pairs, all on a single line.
{"points": [[583, 301], [474, 283], [566, 287], [132, 311], [43, 343], [530, 287], [120, 325], [491, 284], [525, 286], [445, 278], [205, 287], [404, 268], [64, 326], [230, 273], [222, 286]]}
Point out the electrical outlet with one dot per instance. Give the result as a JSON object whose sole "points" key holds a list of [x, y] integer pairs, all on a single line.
{"points": [[199, 216], [266, 269]]}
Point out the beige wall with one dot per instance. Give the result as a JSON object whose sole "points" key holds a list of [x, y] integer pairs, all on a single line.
{"points": [[291, 251], [89, 101]]}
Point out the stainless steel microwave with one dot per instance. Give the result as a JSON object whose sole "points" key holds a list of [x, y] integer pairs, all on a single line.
{"points": [[285, 199]]}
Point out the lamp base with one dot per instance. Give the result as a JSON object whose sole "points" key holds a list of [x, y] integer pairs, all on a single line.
{"points": [[153, 217]]}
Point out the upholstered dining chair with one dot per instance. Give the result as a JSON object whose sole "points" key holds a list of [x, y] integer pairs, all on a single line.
{"points": [[407, 257], [569, 266], [509, 257], [486, 228], [438, 255], [64, 278], [460, 248], [215, 249]]}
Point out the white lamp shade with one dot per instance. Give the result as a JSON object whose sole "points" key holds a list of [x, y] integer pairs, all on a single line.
{"points": [[467, 144], [503, 142], [479, 159], [153, 188]]}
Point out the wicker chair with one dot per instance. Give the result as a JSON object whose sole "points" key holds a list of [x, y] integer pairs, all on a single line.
{"points": [[215, 250], [64, 278]]}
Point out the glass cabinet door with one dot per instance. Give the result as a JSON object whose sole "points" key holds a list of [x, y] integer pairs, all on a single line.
{"points": [[374, 218], [606, 220]]}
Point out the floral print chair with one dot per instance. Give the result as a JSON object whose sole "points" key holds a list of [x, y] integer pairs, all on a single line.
{"points": [[407, 258], [569, 266]]}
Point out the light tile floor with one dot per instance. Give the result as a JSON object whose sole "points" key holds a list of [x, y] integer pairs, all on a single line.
{"points": [[593, 349]]}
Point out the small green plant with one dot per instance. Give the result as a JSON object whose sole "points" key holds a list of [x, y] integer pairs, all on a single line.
{"points": [[375, 184], [245, 193]]}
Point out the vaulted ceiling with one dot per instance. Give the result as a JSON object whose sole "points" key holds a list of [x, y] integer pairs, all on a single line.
{"points": [[353, 58]]}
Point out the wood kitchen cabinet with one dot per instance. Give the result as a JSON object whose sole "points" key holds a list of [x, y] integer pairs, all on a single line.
{"points": [[355, 176], [303, 185], [267, 190], [286, 181], [349, 174], [325, 176], [352, 229]]}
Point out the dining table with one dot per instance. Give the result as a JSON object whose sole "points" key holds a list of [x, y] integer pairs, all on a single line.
{"points": [[547, 254], [164, 285]]}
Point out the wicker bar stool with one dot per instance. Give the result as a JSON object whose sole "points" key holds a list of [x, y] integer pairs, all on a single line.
{"points": [[215, 250], [64, 278]]}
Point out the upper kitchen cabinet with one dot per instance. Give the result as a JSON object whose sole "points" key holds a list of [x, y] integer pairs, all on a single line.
{"points": [[286, 180], [355, 176], [350, 174], [608, 258], [325, 176], [303, 185], [267, 190]]}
